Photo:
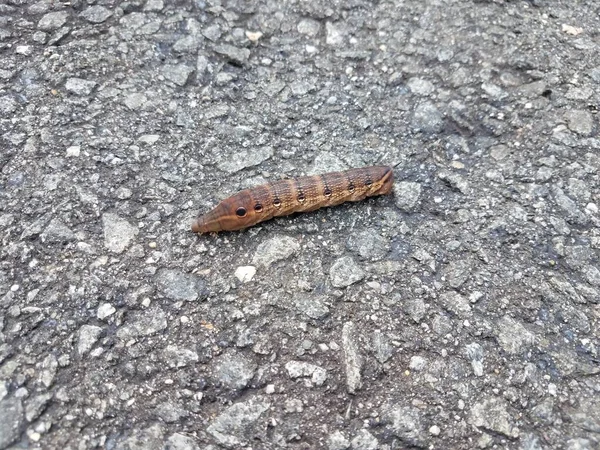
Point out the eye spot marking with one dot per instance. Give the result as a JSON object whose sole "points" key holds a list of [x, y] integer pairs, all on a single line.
{"points": [[351, 187], [240, 212], [327, 192], [258, 207], [368, 182], [276, 203], [301, 197]]}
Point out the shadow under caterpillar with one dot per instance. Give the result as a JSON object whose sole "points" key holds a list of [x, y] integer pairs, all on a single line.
{"points": [[288, 196]]}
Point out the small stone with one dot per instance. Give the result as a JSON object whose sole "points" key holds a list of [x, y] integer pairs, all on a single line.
{"points": [[96, 14], [79, 86], [105, 310], [352, 357], [512, 336], [178, 441], [178, 357], [334, 34], [74, 151], [36, 405], [475, 354], [57, 233], [580, 122], [12, 421], [407, 195], [187, 44], [308, 27], [143, 323], [154, 5], [245, 273], [49, 369], [457, 272], [427, 118], [23, 50], [275, 249], [345, 272], [178, 73], [178, 285], [337, 441], [149, 139], [382, 348], [435, 430], [171, 412], [492, 414], [253, 36], [88, 335], [53, 21], [234, 370], [405, 423], [297, 369], [417, 363], [420, 86], [326, 162], [369, 244], [118, 233], [494, 91], [312, 306], [364, 441], [246, 158], [8, 104], [234, 54], [135, 101], [235, 426]]}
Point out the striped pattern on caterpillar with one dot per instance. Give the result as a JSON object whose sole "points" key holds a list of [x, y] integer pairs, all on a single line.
{"points": [[288, 196]]}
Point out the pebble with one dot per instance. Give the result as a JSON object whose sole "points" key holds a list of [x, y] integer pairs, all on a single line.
{"points": [[118, 232], [382, 347], [417, 363], [334, 34], [415, 308], [178, 285], [337, 441], [74, 151], [52, 21], [405, 423], [154, 5], [427, 118], [232, 428], [49, 369], [308, 27], [512, 336], [352, 357], [435, 430], [79, 86], [36, 405], [297, 369], [475, 354], [580, 122], [135, 101], [234, 54], [275, 249], [407, 195], [313, 306], [149, 139], [178, 73], [105, 310], [96, 14], [345, 272], [245, 159], [143, 323], [364, 441], [178, 441], [245, 273], [57, 233], [419, 86], [369, 244], [234, 370], [12, 421], [87, 337], [492, 414]]}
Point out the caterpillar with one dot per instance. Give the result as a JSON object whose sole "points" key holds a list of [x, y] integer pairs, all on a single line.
{"points": [[288, 196]]}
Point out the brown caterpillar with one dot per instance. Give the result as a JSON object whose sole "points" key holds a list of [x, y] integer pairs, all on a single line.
{"points": [[283, 197]]}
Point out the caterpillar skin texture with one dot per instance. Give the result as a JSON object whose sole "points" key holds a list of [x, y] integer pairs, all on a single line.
{"points": [[283, 197]]}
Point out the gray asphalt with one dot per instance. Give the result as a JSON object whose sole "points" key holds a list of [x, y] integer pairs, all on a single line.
{"points": [[460, 312]]}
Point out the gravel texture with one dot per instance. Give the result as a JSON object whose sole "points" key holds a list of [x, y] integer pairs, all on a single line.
{"points": [[461, 312]]}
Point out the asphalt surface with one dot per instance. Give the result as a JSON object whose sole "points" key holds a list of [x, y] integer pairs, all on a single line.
{"points": [[461, 312]]}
